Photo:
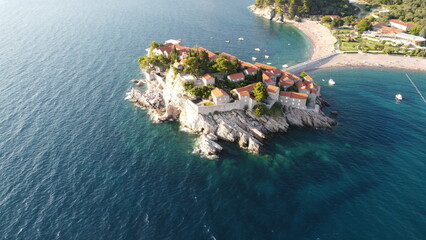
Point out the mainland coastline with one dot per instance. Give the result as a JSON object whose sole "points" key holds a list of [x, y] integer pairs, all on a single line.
{"points": [[323, 43]]}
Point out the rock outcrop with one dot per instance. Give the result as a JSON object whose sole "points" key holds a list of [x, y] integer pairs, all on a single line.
{"points": [[267, 12], [165, 100]]}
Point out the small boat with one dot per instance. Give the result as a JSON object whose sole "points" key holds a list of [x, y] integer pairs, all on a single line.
{"points": [[285, 66], [266, 56], [269, 63], [331, 82], [257, 49], [227, 41], [240, 39], [253, 59], [323, 80], [398, 97]]}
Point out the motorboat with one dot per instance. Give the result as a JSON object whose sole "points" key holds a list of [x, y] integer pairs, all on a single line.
{"points": [[253, 59], [266, 56], [398, 97], [269, 63], [227, 41], [331, 82], [257, 49], [240, 39], [285, 66]]}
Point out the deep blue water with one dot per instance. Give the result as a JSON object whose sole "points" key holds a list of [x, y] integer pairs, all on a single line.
{"points": [[79, 162]]}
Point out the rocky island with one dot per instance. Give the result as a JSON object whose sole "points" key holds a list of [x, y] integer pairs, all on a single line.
{"points": [[220, 97]]}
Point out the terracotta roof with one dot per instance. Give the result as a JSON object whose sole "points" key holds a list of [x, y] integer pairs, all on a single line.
{"points": [[273, 89], [248, 88], [379, 25], [287, 83], [276, 71], [167, 48], [217, 92], [389, 30], [397, 21], [285, 94], [207, 76], [264, 66], [227, 56], [299, 95], [300, 85], [244, 93], [309, 78], [266, 78], [246, 64], [251, 70], [236, 76]]}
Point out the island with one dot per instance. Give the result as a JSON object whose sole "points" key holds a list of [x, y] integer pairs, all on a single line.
{"points": [[221, 97]]}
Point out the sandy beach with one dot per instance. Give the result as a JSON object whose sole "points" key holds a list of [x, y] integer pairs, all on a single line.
{"points": [[376, 61], [322, 39], [323, 45]]}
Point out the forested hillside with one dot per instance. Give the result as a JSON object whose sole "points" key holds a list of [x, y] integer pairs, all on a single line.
{"points": [[406, 10], [310, 7]]}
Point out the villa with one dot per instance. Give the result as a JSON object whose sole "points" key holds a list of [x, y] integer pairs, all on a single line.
{"points": [[250, 71], [292, 99], [219, 96], [208, 79], [396, 23], [236, 77]]}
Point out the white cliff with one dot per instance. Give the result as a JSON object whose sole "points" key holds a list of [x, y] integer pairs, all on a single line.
{"points": [[166, 100]]}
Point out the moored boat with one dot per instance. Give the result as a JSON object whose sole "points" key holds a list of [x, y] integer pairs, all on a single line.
{"points": [[398, 97], [331, 82], [253, 59], [266, 56], [240, 39], [257, 49]]}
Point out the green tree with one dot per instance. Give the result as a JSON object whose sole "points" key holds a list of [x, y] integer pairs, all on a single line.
{"points": [[174, 55], [260, 92], [336, 22], [193, 66], [422, 32], [363, 25], [278, 9], [348, 20], [225, 66], [326, 19]]}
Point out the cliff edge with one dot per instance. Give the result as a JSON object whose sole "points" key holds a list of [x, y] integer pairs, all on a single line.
{"points": [[165, 99]]}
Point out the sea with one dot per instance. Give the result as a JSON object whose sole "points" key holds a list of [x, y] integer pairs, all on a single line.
{"points": [[77, 161]]}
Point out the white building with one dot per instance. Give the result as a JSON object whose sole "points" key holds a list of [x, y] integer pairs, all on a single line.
{"points": [[293, 99], [208, 79], [236, 77], [273, 92], [250, 71], [219, 96], [400, 24]]}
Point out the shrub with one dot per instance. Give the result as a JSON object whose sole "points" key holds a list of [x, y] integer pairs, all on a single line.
{"points": [[208, 103]]}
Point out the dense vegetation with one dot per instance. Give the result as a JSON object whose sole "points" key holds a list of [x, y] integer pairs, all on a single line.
{"points": [[406, 10], [309, 7]]}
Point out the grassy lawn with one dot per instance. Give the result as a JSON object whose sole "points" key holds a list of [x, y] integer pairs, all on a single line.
{"points": [[349, 46]]}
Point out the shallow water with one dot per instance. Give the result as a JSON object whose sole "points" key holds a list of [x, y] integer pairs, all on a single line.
{"points": [[79, 162]]}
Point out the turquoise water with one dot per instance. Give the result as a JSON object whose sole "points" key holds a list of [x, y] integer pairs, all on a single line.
{"points": [[79, 162]]}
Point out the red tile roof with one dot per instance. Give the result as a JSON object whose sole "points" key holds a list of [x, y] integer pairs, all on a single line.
{"points": [[299, 95], [397, 21], [236, 76], [207, 76], [217, 92], [248, 65], [389, 30], [248, 88], [309, 78], [287, 83], [272, 89], [244, 93], [264, 66], [285, 94], [251, 70]]}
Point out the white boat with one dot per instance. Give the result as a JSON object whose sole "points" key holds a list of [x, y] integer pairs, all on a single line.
{"points": [[331, 82], [257, 49], [240, 39], [227, 41], [398, 97], [269, 63], [253, 59], [323, 80], [285, 66], [266, 56]]}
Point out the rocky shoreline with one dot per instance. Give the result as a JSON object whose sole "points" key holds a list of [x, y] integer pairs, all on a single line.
{"points": [[166, 101]]}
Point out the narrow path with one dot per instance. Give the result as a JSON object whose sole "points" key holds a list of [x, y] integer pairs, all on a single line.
{"points": [[362, 11]]}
